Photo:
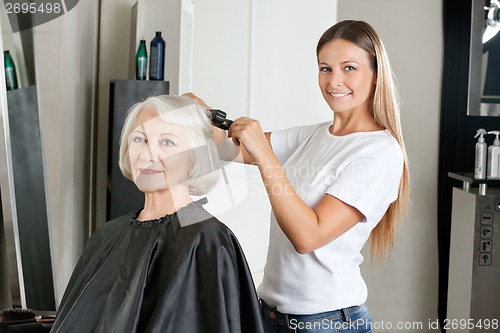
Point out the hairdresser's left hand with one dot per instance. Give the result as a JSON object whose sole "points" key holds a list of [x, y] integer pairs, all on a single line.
{"points": [[197, 99], [249, 134]]}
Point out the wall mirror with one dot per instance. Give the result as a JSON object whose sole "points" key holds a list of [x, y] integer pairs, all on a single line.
{"points": [[49, 196], [484, 61]]}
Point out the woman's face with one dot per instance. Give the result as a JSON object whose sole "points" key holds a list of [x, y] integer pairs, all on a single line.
{"points": [[159, 153], [345, 77]]}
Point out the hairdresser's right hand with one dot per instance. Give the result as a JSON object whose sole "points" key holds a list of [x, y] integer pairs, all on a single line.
{"points": [[197, 99], [248, 133]]}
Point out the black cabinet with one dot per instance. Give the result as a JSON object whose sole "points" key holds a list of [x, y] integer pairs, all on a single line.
{"points": [[122, 195]]}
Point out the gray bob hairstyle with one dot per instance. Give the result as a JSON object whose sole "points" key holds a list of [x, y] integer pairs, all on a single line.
{"points": [[185, 112]]}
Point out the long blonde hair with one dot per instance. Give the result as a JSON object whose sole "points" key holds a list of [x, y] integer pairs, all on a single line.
{"points": [[386, 113]]}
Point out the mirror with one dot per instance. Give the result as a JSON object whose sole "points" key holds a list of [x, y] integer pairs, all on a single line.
{"points": [[484, 62], [77, 55], [26, 248], [71, 84]]}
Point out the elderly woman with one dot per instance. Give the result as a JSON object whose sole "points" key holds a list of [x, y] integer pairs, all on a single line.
{"points": [[171, 266]]}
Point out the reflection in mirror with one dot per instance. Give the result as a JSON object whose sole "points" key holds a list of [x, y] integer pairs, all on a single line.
{"points": [[20, 47], [484, 63], [25, 221]]}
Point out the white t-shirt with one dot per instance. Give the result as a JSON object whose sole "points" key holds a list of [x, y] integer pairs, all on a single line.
{"points": [[361, 169]]}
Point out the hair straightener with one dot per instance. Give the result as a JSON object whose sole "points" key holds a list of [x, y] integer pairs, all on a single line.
{"points": [[219, 120]]}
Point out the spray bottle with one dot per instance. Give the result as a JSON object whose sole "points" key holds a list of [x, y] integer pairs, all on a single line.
{"points": [[480, 162], [494, 157]]}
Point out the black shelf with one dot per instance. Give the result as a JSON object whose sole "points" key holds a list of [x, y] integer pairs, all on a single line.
{"points": [[468, 177]]}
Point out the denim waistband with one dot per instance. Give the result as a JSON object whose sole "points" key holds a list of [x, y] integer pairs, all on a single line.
{"points": [[283, 319]]}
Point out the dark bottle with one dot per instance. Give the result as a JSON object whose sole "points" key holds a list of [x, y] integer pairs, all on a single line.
{"points": [[141, 61], [10, 71], [157, 58]]}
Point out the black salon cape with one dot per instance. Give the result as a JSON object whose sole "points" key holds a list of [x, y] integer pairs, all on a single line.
{"points": [[156, 276]]}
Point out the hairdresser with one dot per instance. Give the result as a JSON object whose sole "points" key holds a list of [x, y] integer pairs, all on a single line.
{"points": [[356, 187]]}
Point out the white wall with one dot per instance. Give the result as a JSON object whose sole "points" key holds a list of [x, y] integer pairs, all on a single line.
{"points": [[405, 289], [264, 65], [284, 89], [221, 54], [66, 76]]}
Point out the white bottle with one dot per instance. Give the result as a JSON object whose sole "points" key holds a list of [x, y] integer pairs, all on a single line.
{"points": [[480, 162], [494, 157]]}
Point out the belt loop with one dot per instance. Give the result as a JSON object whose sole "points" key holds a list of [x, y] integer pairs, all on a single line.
{"points": [[346, 314]]}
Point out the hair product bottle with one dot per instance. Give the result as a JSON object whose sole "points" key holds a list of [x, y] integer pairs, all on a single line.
{"points": [[157, 58], [494, 157], [141, 61], [480, 162], [10, 71]]}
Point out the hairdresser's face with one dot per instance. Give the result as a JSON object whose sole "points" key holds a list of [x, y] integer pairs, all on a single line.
{"points": [[159, 153], [345, 77]]}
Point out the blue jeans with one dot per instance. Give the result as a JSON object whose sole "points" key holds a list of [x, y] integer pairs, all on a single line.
{"points": [[354, 319]]}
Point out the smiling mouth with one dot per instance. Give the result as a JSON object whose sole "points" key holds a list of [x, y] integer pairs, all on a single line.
{"points": [[339, 95]]}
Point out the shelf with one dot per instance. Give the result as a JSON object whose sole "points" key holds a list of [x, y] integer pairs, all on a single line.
{"points": [[468, 180]]}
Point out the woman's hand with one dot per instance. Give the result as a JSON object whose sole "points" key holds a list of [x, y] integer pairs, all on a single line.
{"points": [[196, 99], [248, 133]]}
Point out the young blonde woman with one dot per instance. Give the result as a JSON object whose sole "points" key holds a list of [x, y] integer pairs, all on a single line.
{"points": [[332, 186]]}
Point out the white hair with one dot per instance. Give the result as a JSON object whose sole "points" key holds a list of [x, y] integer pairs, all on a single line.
{"points": [[185, 112]]}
